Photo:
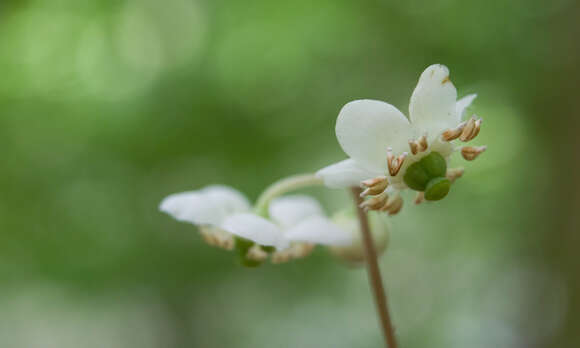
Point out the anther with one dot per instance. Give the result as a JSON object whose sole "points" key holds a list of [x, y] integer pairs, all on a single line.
{"points": [[217, 238], [477, 128], [374, 186], [454, 174], [423, 144], [468, 130], [393, 205], [375, 203], [414, 147], [256, 253], [471, 129], [393, 163], [453, 133], [419, 198], [295, 251], [471, 152], [418, 145]]}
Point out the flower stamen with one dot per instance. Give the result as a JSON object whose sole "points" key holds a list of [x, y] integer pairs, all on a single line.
{"points": [[465, 131], [375, 203], [256, 253], [468, 130], [395, 163], [471, 129], [423, 144], [420, 198], [414, 147], [477, 128], [295, 251], [393, 205], [217, 238], [454, 174], [471, 152], [374, 186], [453, 133], [418, 145]]}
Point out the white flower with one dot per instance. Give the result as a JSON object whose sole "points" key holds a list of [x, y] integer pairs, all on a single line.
{"points": [[383, 144], [295, 223]]}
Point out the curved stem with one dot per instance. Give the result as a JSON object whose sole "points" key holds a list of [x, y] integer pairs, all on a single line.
{"points": [[283, 186], [374, 273]]}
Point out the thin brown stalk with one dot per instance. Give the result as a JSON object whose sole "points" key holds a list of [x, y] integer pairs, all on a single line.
{"points": [[374, 273]]}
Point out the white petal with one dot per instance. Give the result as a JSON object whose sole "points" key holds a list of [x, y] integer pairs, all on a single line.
{"points": [[191, 207], [228, 199], [366, 128], [288, 211], [255, 228], [208, 206], [432, 107], [345, 173], [463, 104], [319, 230]]}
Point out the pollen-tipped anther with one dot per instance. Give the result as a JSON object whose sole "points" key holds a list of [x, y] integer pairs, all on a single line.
{"points": [[454, 174], [418, 145], [393, 163], [471, 129], [296, 251], [471, 152], [374, 186], [423, 144], [420, 198], [468, 130], [453, 133], [217, 238], [477, 128], [393, 205], [375, 203], [414, 147], [256, 253]]}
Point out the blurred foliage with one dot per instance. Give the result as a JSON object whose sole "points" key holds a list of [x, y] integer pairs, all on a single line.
{"points": [[108, 106]]}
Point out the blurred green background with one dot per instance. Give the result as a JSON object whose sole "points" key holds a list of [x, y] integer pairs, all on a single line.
{"points": [[108, 106]]}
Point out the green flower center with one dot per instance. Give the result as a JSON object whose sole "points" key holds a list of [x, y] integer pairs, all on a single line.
{"points": [[428, 175]]}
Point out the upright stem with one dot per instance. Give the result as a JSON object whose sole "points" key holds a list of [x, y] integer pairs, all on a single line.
{"points": [[374, 273]]}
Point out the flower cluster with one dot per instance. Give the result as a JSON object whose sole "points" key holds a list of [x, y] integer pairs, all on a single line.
{"points": [[388, 153]]}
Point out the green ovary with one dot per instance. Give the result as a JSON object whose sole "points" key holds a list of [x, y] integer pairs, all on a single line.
{"points": [[428, 175]]}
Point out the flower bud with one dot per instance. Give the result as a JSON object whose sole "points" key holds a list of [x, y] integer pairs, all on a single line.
{"points": [[354, 253]]}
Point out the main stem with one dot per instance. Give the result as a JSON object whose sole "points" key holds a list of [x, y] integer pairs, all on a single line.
{"points": [[374, 273]]}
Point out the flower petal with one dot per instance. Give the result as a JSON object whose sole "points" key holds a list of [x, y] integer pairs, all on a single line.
{"points": [[191, 207], [256, 229], [208, 206], [319, 230], [228, 199], [463, 104], [432, 107], [366, 128], [288, 211], [345, 173]]}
